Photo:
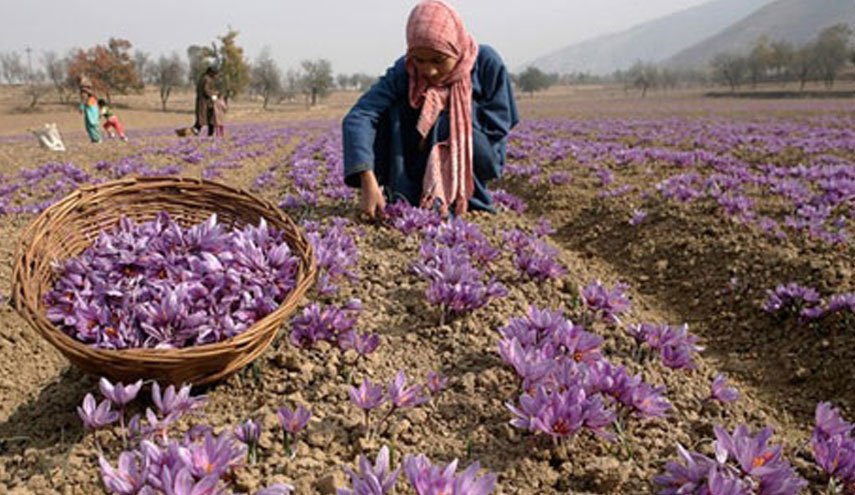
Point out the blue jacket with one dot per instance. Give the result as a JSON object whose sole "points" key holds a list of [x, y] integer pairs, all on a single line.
{"points": [[379, 132]]}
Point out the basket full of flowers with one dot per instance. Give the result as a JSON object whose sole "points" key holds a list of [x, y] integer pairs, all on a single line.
{"points": [[167, 278]]}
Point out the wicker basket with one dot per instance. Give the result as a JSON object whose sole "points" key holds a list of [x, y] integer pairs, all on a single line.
{"points": [[68, 227]]}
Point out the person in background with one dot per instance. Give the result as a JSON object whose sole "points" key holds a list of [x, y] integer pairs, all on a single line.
{"points": [[218, 118], [206, 95], [89, 108], [112, 126], [433, 130]]}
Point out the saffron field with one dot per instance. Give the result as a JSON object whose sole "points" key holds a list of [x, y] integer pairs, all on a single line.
{"points": [[662, 304]]}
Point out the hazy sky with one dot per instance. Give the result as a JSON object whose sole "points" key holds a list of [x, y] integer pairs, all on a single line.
{"points": [[355, 35]]}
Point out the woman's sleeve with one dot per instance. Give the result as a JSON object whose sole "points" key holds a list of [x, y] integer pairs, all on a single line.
{"points": [[495, 114], [359, 127]]}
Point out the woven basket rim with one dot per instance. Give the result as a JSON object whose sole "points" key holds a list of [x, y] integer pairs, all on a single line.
{"points": [[23, 287]]}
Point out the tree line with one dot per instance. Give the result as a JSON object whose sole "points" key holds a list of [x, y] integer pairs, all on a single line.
{"points": [[821, 60], [115, 68]]}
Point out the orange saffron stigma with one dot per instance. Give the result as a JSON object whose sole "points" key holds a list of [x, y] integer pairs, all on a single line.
{"points": [[761, 460]]}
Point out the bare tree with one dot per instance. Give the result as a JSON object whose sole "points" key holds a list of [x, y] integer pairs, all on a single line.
{"points": [[831, 51], [291, 85], [167, 73], [36, 87], [729, 68], [803, 65], [142, 62], [265, 77], [644, 76], [13, 68], [759, 60], [317, 80], [362, 81], [56, 73], [781, 59], [343, 81], [668, 78]]}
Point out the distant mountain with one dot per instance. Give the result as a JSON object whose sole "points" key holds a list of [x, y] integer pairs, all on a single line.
{"points": [[796, 21], [652, 41]]}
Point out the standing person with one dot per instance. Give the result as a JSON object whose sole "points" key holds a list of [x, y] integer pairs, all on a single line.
{"points": [[206, 95], [112, 126], [89, 108], [433, 129], [218, 118]]}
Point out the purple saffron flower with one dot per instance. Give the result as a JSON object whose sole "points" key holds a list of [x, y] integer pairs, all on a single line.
{"points": [[751, 453], [638, 332], [829, 422], [324, 323], [686, 477], [565, 413], [646, 400], [608, 303], [633, 393], [725, 482], [363, 343], [213, 455], [248, 432], [402, 396], [676, 345], [528, 365], [119, 394], [455, 285], [721, 392], [372, 479], [638, 216], [755, 468], [508, 201], [529, 409], [468, 482], [367, 396], [467, 236], [409, 219], [128, 478], [533, 256], [543, 228], [293, 421], [436, 382], [172, 403], [841, 302], [94, 416], [185, 484], [791, 296], [428, 479], [836, 456], [336, 253]]}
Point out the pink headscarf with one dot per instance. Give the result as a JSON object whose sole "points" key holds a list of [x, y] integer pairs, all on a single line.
{"points": [[448, 177]]}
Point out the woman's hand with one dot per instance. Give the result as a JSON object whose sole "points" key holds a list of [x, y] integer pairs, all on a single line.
{"points": [[371, 201]]}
